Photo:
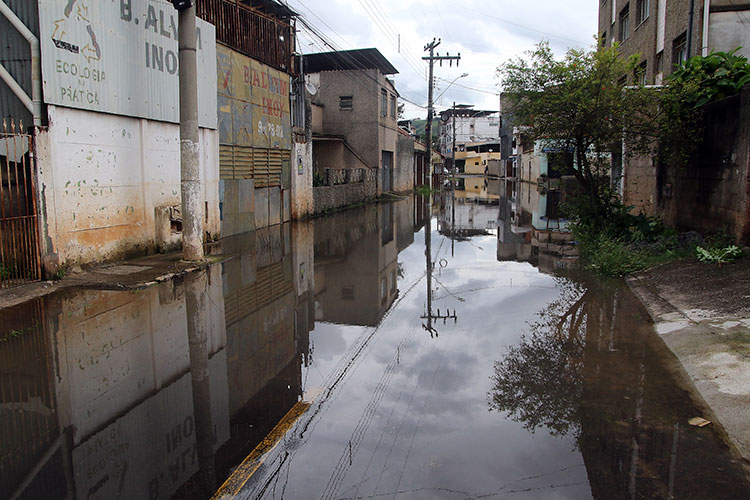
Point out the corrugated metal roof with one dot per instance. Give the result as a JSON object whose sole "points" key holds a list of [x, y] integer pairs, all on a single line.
{"points": [[15, 56], [348, 60]]}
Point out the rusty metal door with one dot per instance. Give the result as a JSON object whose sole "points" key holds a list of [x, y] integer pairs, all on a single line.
{"points": [[19, 237]]}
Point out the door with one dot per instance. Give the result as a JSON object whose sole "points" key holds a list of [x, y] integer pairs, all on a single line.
{"points": [[387, 171]]}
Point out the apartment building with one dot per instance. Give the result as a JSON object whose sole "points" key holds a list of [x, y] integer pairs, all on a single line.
{"points": [[667, 32]]}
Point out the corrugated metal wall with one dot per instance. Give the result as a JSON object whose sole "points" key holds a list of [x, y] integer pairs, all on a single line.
{"points": [[15, 56]]}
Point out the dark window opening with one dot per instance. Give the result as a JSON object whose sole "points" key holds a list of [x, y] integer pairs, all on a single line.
{"points": [[625, 23]]}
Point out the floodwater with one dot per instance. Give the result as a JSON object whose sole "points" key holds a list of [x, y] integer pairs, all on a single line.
{"points": [[333, 359]]}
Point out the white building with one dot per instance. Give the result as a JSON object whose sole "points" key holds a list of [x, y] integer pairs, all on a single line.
{"points": [[472, 125]]}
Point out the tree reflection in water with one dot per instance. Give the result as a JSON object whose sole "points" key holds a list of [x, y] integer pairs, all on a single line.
{"points": [[592, 368], [539, 381]]}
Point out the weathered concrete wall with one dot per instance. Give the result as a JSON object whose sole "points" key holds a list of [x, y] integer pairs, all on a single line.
{"points": [[341, 195], [101, 177], [359, 124], [302, 174], [639, 185], [403, 173], [712, 193], [329, 154]]}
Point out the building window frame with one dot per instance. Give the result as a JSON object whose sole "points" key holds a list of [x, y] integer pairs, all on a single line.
{"points": [[346, 102], [679, 49], [383, 102], [640, 74], [642, 8], [393, 106], [624, 23]]}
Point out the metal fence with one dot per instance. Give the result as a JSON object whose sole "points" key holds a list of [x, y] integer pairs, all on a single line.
{"points": [[263, 38], [19, 237]]}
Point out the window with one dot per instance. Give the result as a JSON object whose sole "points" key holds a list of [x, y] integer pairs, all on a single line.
{"points": [[679, 49], [659, 68], [640, 75], [346, 102], [393, 107], [603, 39], [625, 23], [383, 103], [642, 6]]}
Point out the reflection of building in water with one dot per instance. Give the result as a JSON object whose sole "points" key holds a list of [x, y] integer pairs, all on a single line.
{"points": [[356, 265], [469, 212], [531, 227], [116, 373], [634, 435], [97, 398]]}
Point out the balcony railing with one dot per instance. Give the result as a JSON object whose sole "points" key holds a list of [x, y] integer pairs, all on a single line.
{"points": [[264, 38]]}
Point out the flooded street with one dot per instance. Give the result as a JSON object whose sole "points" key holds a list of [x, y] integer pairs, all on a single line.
{"points": [[391, 351]]}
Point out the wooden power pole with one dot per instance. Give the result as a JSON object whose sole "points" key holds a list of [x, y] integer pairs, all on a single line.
{"points": [[429, 316]]}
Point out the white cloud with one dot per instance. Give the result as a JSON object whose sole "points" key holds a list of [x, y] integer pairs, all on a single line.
{"points": [[485, 35]]}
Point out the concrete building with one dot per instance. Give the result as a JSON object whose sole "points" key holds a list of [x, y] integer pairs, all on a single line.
{"points": [[667, 32], [476, 158], [104, 182], [259, 134], [359, 107], [470, 126]]}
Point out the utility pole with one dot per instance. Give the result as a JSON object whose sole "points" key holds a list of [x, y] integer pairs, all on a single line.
{"points": [[428, 129], [190, 181], [430, 111]]}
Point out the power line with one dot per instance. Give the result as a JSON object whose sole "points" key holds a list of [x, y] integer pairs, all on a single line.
{"points": [[356, 77], [472, 88], [512, 23]]}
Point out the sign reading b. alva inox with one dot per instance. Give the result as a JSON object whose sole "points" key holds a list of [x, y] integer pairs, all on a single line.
{"points": [[121, 57]]}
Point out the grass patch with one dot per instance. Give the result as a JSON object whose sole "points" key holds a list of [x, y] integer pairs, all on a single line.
{"points": [[628, 243], [425, 190]]}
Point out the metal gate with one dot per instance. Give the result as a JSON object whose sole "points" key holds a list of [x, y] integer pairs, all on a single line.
{"points": [[19, 237]]}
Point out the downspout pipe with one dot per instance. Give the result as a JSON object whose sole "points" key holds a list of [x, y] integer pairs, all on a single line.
{"points": [[36, 66], [690, 29], [706, 19]]}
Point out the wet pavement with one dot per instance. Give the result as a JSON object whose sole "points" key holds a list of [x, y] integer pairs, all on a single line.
{"points": [[333, 359]]}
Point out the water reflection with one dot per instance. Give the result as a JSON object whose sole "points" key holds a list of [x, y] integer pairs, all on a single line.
{"points": [[590, 367], [163, 392]]}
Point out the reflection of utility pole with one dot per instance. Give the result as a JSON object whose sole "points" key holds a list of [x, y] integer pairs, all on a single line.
{"points": [[196, 306], [453, 185], [428, 315]]}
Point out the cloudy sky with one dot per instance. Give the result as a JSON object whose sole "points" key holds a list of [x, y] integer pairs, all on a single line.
{"points": [[486, 33]]}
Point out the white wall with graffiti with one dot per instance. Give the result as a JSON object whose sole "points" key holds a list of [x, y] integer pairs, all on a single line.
{"points": [[109, 164]]}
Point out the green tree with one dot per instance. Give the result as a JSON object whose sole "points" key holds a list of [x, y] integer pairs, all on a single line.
{"points": [[581, 104]]}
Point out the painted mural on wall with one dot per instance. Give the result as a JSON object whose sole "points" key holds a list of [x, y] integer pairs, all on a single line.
{"points": [[253, 102], [121, 57]]}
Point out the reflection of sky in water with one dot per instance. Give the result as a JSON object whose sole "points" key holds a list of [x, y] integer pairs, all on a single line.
{"points": [[422, 402]]}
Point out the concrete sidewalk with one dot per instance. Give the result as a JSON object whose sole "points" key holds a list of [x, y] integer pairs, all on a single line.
{"points": [[702, 313], [132, 274]]}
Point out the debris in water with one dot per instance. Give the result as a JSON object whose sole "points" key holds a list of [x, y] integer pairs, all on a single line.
{"points": [[699, 421]]}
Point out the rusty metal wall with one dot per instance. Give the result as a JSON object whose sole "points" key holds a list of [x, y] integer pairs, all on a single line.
{"points": [[15, 56], [252, 33], [19, 235]]}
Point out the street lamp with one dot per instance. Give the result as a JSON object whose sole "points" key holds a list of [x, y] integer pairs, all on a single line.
{"points": [[449, 85]]}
